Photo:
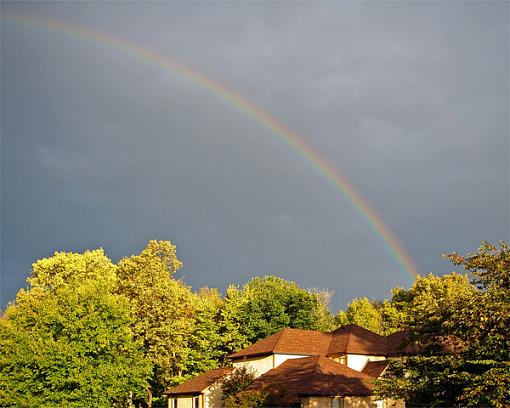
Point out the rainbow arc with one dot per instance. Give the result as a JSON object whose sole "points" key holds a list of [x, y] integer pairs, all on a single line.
{"points": [[247, 107]]}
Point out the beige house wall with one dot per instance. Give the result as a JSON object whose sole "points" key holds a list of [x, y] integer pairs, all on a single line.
{"points": [[359, 402], [212, 396], [349, 402], [330, 402], [280, 358], [316, 402], [358, 361], [262, 365], [182, 402]]}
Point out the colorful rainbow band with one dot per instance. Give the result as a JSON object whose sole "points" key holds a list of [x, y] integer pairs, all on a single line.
{"points": [[322, 165]]}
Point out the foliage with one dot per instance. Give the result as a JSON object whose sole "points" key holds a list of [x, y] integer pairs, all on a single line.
{"points": [[205, 342], [245, 399], [142, 318], [66, 341], [431, 300], [163, 311], [463, 332], [238, 379], [265, 305], [231, 321], [362, 312]]}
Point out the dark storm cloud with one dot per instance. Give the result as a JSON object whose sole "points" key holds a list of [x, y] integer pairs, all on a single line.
{"points": [[408, 100]]}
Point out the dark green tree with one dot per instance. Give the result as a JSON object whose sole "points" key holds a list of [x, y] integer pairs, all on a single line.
{"points": [[238, 379], [265, 305], [462, 336], [205, 342]]}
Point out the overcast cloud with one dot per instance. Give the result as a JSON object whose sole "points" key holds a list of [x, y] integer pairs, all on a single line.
{"points": [[408, 100]]}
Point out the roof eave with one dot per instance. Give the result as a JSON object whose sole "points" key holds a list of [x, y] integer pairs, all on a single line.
{"points": [[245, 356]]}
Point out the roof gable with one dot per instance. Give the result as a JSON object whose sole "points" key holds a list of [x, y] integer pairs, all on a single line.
{"points": [[313, 376], [199, 383], [350, 339], [375, 368], [354, 339], [288, 341]]}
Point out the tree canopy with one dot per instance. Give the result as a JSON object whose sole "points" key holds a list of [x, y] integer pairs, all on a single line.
{"points": [[163, 310], [67, 341], [362, 312], [462, 331], [88, 332], [265, 305]]}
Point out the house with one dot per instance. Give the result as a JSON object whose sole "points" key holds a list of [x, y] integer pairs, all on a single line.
{"points": [[203, 391], [305, 368]]}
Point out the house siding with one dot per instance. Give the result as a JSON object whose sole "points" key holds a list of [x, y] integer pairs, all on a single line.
{"points": [[281, 358], [358, 361], [346, 402], [262, 365], [213, 396], [183, 402]]}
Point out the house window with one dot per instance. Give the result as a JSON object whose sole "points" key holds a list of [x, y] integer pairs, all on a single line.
{"points": [[173, 403], [195, 402], [338, 403]]}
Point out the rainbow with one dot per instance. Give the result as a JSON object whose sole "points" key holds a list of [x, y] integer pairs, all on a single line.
{"points": [[326, 169]]}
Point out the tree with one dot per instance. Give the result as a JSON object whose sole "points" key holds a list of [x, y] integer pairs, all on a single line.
{"points": [[205, 342], [238, 379], [462, 334], [265, 305], [431, 299], [230, 325], [246, 399], [66, 341], [163, 310], [362, 312]]}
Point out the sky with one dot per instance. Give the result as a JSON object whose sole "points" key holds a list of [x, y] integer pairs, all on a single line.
{"points": [[409, 101]]}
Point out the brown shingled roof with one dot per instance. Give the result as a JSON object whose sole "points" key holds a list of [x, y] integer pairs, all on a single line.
{"points": [[350, 339], [354, 339], [198, 384], [375, 368], [313, 376], [293, 341]]}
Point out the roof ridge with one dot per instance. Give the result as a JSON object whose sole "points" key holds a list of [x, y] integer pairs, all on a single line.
{"points": [[349, 334], [279, 338]]}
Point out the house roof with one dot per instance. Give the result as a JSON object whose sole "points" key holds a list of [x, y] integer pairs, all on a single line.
{"points": [[399, 342], [375, 368], [350, 339], [313, 376], [354, 339], [198, 384], [294, 341]]}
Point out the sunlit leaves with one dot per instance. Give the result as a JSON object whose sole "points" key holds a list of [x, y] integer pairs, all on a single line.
{"points": [[469, 326]]}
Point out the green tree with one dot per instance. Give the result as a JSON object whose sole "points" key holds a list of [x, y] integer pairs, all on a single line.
{"points": [[164, 310], [362, 312], [431, 299], [66, 341], [265, 305], [230, 325], [238, 379], [462, 334], [246, 399], [205, 342]]}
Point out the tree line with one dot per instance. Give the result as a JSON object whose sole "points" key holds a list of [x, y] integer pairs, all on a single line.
{"points": [[90, 332]]}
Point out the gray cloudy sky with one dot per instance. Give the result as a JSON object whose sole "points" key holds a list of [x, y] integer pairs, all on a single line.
{"points": [[408, 100]]}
